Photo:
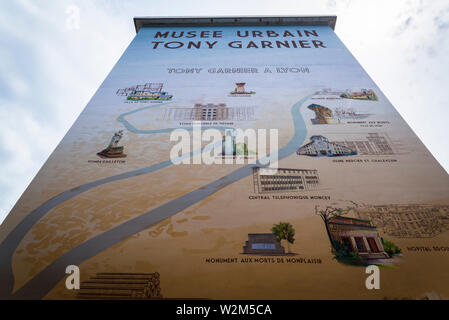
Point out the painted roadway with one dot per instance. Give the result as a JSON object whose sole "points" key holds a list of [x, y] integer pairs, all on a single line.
{"points": [[43, 282]]}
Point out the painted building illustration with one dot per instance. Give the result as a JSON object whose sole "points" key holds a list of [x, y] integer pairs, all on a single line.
{"points": [[269, 180], [372, 144], [359, 236], [320, 146], [210, 112], [240, 90], [230, 147], [324, 115], [150, 215], [349, 113], [148, 91], [364, 94], [264, 244], [113, 150]]}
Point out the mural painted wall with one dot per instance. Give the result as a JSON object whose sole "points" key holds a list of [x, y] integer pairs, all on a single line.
{"points": [[354, 185]]}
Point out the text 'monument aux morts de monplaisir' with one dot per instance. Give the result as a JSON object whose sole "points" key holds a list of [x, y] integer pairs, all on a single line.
{"points": [[244, 39]]}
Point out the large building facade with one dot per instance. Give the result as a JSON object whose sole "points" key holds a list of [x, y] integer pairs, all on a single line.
{"points": [[139, 224]]}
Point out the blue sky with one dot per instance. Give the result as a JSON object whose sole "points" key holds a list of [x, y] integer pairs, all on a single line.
{"points": [[52, 63]]}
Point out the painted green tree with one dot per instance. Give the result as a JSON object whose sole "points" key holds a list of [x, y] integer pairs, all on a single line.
{"points": [[284, 231]]}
